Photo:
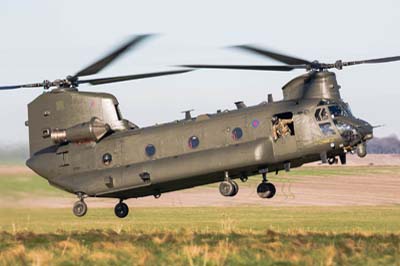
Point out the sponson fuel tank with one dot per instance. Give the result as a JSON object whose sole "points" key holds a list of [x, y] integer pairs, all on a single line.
{"points": [[312, 85]]}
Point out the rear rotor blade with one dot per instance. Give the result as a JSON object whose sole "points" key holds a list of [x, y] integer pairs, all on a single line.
{"points": [[289, 60], [32, 85], [105, 61], [250, 67], [100, 81]]}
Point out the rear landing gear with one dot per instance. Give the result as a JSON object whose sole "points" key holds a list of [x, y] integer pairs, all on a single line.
{"points": [[121, 210], [80, 207], [265, 190], [228, 188]]}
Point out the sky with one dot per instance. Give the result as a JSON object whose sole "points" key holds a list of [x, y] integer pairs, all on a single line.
{"points": [[46, 39]]}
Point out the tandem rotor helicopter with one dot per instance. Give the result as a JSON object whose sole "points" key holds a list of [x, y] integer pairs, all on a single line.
{"points": [[80, 142]]}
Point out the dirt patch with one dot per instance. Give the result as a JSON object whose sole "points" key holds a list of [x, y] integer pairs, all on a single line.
{"points": [[350, 190], [302, 191], [14, 169]]}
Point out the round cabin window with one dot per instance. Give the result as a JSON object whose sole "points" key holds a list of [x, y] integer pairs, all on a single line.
{"points": [[237, 133], [194, 142], [150, 150], [107, 158]]}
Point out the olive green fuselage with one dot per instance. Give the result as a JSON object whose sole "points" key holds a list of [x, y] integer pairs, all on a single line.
{"points": [[79, 167], [119, 165]]}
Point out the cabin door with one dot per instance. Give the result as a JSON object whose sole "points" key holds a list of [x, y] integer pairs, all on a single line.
{"points": [[283, 129], [307, 130]]}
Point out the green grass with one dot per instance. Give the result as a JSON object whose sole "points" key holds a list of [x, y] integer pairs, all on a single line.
{"points": [[203, 236], [381, 219], [18, 185], [199, 248], [27, 184], [245, 235]]}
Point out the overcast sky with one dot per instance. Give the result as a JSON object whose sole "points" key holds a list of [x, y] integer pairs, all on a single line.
{"points": [[51, 39]]}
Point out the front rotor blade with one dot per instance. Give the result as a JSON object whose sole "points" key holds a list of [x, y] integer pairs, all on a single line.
{"points": [[100, 81], [249, 67], [103, 62], [290, 60], [373, 61]]}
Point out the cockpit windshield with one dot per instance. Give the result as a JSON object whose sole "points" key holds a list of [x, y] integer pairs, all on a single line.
{"points": [[338, 111], [343, 127], [347, 131]]}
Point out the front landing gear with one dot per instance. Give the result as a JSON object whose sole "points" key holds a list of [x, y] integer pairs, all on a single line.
{"points": [[121, 210], [80, 207], [265, 190]]}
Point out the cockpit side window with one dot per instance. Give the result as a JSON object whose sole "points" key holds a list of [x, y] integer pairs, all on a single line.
{"points": [[322, 117], [327, 129], [321, 114], [318, 114]]}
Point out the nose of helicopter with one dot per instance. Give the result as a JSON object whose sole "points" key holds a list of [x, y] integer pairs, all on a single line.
{"points": [[365, 130]]}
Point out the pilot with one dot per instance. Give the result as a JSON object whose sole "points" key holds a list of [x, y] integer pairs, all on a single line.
{"points": [[280, 127]]}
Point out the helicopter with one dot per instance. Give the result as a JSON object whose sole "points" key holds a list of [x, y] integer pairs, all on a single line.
{"points": [[80, 142]]}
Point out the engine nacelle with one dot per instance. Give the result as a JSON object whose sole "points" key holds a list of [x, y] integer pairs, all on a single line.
{"points": [[93, 130]]}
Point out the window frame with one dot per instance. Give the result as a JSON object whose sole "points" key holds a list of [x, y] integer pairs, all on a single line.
{"points": [[148, 152], [190, 142], [235, 136]]}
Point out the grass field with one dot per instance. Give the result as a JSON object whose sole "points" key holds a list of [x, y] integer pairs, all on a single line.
{"points": [[238, 235], [203, 236]]}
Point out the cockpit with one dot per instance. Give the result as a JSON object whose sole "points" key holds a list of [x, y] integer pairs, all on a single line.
{"points": [[339, 111], [350, 128]]}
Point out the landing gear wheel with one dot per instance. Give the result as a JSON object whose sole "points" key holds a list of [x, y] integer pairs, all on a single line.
{"points": [[266, 190], [121, 210], [244, 178], [332, 160], [362, 150], [157, 194], [236, 186], [227, 188], [80, 208]]}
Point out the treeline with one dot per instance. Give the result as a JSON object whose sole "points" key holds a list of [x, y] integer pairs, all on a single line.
{"points": [[387, 145], [13, 153]]}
